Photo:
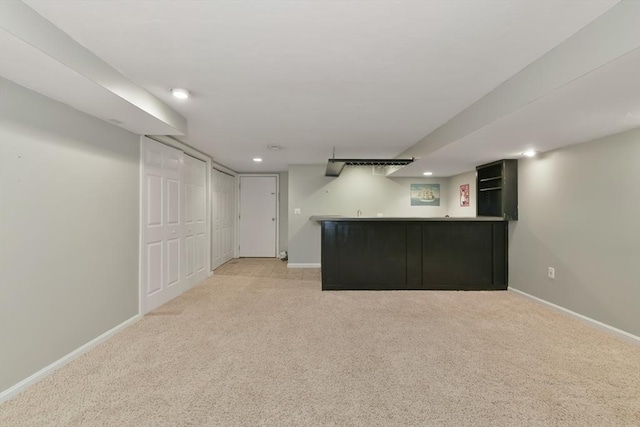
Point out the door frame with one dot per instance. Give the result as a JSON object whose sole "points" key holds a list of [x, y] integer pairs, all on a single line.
{"points": [[238, 189], [173, 143]]}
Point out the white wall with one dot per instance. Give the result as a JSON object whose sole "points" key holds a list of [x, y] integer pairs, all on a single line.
{"points": [[69, 230], [355, 189], [579, 212]]}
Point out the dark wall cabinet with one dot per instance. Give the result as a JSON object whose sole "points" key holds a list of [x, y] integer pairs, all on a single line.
{"points": [[497, 189]]}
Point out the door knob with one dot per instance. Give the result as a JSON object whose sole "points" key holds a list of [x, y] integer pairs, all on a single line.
{"points": [[273, 219]]}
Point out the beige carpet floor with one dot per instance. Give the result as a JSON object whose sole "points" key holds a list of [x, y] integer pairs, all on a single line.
{"points": [[257, 345]]}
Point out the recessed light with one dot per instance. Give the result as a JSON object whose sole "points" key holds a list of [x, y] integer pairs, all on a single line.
{"points": [[257, 159], [529, 153], [180, 93], [427, 173], [274, 147]]}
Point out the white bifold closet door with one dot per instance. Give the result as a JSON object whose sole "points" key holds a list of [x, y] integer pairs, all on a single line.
{"points": [[223, 218], [195, 216], [161, 260]]}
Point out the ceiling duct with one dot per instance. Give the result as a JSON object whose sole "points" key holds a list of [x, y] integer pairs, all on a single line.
{"points": [[335, 166]]}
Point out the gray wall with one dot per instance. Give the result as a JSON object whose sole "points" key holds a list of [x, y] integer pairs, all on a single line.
{"points": [[453, 190], [579, 212], [355, 189], [69, 230], [284, 211]]}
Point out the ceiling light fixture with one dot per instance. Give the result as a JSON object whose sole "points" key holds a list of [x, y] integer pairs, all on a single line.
{"points": [[427, 173], [257, 159], [529, 153], [180, 93]]}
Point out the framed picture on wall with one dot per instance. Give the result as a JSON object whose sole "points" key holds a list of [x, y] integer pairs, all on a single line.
{"points": [[425, 194], [464, 195]]}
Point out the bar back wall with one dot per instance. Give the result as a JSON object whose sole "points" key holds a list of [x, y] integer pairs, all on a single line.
{"points": [[357, 189]]}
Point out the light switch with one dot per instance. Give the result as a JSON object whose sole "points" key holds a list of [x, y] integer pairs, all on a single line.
{"points": [[296, 211]]}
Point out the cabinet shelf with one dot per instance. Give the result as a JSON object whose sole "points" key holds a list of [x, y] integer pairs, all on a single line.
{"points": [[497, 189]]}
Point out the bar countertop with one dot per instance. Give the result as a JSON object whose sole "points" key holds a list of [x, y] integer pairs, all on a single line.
{"points": [[321, 218], [413, 253]]}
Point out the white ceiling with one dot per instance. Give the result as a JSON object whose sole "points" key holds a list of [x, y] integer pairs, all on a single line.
{"points": [[370, 78]]}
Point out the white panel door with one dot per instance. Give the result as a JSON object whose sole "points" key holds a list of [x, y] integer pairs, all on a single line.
{"points": [[161, 218], [223, 218], [216, 229], [217, 214], [229, 215], [195, 215], [258, 216]]}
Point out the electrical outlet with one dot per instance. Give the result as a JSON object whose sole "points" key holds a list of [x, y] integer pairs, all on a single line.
{"points": [[551, 273], [296, 211]]}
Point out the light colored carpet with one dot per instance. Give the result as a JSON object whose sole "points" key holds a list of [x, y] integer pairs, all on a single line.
{"points": [[248, 350]]}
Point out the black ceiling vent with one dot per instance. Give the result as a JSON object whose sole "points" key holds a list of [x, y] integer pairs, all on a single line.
{"points": [[335, 166]]}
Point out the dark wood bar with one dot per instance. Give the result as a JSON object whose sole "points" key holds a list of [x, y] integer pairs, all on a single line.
{"points": [[414, 253]]}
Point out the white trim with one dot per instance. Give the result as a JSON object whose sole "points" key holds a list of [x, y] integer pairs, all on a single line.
{"points": [[303, 265], [626, 336], [48, 370]]}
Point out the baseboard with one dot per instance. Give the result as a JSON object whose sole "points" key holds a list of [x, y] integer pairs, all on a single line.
{"points": [[303, 265], [626, 336], [48, 370]]}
